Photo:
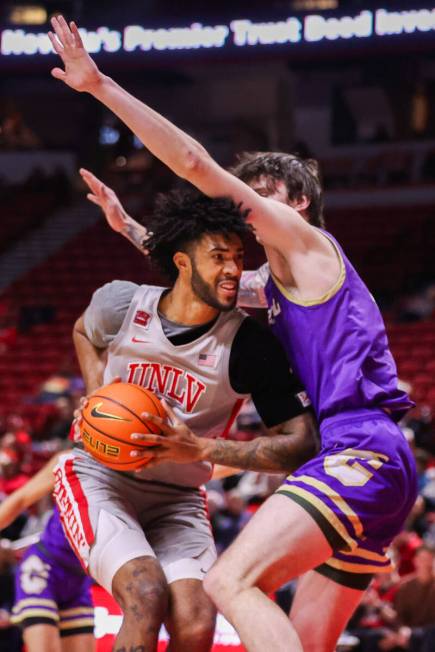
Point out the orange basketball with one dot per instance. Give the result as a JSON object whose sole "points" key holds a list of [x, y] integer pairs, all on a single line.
{"points": [[111, 416]]}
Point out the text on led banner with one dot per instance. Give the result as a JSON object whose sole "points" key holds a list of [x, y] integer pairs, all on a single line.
{"points": [[239, 33]]}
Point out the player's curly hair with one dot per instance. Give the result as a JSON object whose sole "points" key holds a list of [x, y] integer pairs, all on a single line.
{"points": [[300, 176], [182, 217]]}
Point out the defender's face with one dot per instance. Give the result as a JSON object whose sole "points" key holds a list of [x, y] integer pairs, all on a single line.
{"points": [[217, 265], [270, 188]]}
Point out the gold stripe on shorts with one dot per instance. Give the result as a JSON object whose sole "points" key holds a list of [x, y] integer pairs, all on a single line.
{"points": [[365, 554], [38, 601], [31, 613], [75, 611], [327, 512], [358, 568], [342, 505], [80, 622]]}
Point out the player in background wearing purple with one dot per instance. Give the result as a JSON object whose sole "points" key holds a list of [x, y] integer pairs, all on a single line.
{"points": [[333, 519], [53, 603]]}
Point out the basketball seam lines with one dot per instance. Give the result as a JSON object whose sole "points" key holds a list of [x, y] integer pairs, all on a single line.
{"points": [[107, 398], [134, 444], [149, 394]]}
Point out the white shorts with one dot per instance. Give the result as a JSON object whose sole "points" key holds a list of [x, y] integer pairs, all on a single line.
{"points": [[111, 518]]}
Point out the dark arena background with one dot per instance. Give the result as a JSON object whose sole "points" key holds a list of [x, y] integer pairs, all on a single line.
{"points": [[350, 83]]}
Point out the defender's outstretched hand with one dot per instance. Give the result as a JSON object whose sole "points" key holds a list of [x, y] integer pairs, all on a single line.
{"points": [[106, 199], [117, 218], [81, 73]]}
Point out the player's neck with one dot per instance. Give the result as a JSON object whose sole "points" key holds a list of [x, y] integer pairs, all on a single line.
{"points": [[182, 306]]}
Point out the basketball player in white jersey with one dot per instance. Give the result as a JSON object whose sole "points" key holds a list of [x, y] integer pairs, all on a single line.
{"points": [[145, 536]]}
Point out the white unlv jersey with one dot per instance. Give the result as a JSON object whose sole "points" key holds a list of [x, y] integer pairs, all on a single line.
{"points": [[193, 378]]}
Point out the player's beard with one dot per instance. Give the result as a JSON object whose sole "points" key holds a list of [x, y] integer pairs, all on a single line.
{"points": [[208, 293]]}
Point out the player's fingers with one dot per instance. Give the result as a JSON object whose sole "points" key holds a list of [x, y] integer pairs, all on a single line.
{"points": [[57, 45], [147, 438], [76, 431], [66, 32], [93, 199], [165, 427], [147, 416], [76, 425], [59, 31], [58, 73], [76, 35], [171, 414], [92, 181], [56, 27], [152, 452], [138, 453], [83, 402], [87, 174]]}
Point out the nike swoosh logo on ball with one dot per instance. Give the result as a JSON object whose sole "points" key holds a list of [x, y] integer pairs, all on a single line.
{"points": [[96, 412]]}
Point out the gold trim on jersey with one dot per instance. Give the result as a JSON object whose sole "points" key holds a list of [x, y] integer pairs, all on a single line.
{"points": [[328, 295], [327, 512], [336, 499], [38, 601], [80, 622], [75, 611], [31, 613], [364, 554], [359, 568]]}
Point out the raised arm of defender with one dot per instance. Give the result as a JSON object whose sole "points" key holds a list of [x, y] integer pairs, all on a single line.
{"points": [[117, 218], [276, 225]]}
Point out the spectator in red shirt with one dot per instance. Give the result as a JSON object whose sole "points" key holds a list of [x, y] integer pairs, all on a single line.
{"points": [[11, 475], [405, 546]]}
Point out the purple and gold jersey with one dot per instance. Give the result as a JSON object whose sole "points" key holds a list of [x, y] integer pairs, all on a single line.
{"points": [[337, 345], [362, 484], [55, 544], [51, 587]]}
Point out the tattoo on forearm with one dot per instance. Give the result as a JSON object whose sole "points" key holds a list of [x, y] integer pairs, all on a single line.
{"points": [[136, 233], [132, 648], [275, 453]]}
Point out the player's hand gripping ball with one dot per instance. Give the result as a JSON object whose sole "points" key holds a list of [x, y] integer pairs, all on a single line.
{"points": [[111, 415]]}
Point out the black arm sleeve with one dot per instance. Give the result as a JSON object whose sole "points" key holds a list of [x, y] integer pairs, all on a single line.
{"points": [[259, 366]]}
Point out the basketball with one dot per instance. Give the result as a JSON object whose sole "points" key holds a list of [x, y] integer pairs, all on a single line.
{"points": [[111, 416]]}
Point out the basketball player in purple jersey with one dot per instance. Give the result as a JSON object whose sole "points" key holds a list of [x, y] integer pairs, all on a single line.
{"points": [[347, 503], [53, 602]]}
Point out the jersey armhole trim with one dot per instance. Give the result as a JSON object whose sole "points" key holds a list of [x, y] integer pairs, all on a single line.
{"points": [[328, 295]]}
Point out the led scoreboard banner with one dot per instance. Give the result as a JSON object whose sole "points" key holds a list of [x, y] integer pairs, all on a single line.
{"points": [[237, 34]]}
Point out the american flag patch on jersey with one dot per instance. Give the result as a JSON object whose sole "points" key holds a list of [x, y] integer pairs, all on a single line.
{"points": [[304, 399], [207, 360]]}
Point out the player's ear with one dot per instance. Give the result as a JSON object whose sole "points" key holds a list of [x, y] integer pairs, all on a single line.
{"points": [[182, 262], [301, 204]]}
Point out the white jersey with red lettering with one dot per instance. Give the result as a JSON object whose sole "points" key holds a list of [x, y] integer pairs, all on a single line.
{"points": [[193, 378]]}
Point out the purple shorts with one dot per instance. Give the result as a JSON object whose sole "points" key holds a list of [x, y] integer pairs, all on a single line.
{"points": [[359, 489], [47, 592]]}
